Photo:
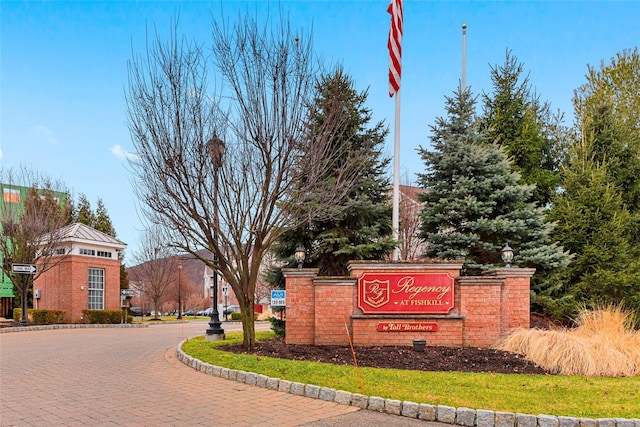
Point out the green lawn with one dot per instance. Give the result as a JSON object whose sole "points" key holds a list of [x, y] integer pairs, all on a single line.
{"points": [[529, 394]]}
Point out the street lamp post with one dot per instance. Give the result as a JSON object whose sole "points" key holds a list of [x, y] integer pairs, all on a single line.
{"points": [[215, 147], [179, 292], [225, 293], [24, 288]]}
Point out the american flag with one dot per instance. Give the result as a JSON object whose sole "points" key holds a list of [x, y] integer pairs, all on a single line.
{"points": [[395, 46]]}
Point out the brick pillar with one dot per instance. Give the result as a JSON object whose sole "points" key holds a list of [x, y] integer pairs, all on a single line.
{"points": [[334, 298], [516, 297], [480, 306], [300, 314]]}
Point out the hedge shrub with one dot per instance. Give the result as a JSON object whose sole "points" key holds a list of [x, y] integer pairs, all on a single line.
{"points": [[48, 317], [40, 317], [278, 326], [102, 316]]}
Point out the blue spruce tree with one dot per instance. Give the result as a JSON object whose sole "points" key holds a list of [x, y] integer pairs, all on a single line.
{"points": [[473, 203]]}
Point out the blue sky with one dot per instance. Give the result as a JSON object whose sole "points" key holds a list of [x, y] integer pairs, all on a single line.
{"points": [[63, 69]]}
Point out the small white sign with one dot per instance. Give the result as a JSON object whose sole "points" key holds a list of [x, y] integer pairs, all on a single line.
{"points": [[24, 268], [278, 298]]}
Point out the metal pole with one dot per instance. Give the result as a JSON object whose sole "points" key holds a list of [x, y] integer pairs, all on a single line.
{"points": [[24, 288], [464, 57], [215, 324], [226, 304], [395, 212], [214, 331], [179, 293]]}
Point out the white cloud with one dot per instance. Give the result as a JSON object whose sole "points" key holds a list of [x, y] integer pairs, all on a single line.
{"points": [[121, 153], [46, 133]]}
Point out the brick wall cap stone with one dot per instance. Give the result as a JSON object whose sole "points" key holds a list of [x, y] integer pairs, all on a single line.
{"points": [[479, 281], [300, 272], [335, 281], [510, 272], [405, 265]]}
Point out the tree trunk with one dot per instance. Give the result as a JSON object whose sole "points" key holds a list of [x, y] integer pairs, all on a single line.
{"points": [[248, 326]]}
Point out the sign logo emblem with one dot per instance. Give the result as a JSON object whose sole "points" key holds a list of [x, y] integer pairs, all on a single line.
{"points": [[376, 292]]}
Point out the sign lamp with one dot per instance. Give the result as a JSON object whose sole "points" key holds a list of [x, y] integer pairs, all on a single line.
{"points": [[300, 255], [507, 255]]}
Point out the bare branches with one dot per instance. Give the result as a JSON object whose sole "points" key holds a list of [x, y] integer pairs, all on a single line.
{"points": [[273, 162], [411, 246], [33, 211], [157, 263]]}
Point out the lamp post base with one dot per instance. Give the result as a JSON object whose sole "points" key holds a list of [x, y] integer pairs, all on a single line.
{"points": [[214, 337], [215, 331]]}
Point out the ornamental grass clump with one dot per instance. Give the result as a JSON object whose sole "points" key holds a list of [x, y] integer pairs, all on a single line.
{"points": [[603, 344]]}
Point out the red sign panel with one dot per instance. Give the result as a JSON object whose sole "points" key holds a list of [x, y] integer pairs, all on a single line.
{"points": [[415, 293], [407, 327]]}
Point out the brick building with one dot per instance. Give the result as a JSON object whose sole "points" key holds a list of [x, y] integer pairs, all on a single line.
{"points": [[87, 276]]}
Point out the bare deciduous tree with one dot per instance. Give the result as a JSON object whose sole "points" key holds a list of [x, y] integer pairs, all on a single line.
{"points": [[237, 204], [30, 227], [155, 272], [411, 245], [195, 302]]}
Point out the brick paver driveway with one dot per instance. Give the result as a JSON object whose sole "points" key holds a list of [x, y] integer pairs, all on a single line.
{"points": [[130, 377]]}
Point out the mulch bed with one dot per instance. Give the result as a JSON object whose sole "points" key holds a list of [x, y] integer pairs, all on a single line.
{"points": [[467, 359], [450, 359]]}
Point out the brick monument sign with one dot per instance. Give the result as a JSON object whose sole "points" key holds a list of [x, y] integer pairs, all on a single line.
{"points": [[394, 303]]}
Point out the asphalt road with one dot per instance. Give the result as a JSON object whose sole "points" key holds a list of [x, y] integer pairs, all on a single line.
{"points": [[130, 377]]}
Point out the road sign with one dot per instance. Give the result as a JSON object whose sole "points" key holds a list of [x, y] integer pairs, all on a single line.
{"points": [[24, 268], [278, 298], [127, 292], [225, 291]]}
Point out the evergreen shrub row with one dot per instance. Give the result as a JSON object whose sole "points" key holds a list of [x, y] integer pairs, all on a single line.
{"points": [[40, 317], [102, 316]]}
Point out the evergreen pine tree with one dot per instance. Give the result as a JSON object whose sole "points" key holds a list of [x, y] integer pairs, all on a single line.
{"points": [[473, 203], [514, 118], [594, 224], [102, 221], [607, 107], [360, 228], [598, 212], [83, 213], [124, 275]]}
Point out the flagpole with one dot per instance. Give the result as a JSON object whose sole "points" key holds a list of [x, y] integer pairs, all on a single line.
{"points": [[395, 70], [464, 57], [395, 213]]}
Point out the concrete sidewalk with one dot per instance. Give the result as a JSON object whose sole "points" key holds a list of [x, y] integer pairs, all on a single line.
{"points": [[130, 377]]}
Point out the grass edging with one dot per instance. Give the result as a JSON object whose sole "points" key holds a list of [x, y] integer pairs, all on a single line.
{"points": [[440, 413]]}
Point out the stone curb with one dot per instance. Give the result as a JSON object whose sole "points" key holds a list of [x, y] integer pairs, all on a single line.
{"points": [[71, 326], [440, 413]]}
